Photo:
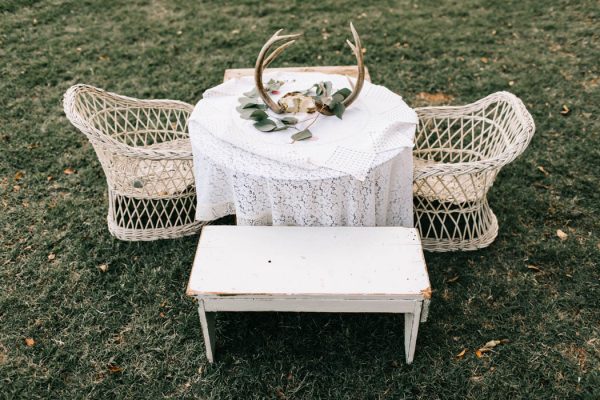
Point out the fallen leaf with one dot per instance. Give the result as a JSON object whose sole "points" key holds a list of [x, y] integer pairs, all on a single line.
{"points": [[581, 358], [114, 368], [162, 314], [302, 135], [489, 346], [29, 342], [280, 395], [561, 235], [453, 279], [51, 256], [534, 268], [460, 355], [543, 170], [19, 175], [592, 83], [49, 178], [69, 171], [103, 267], [104, 57], [434, 98], [484, 60], [565, 110]]}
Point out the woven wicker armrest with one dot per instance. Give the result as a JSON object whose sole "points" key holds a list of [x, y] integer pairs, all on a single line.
{"points": [[504, 126], [107, 118]]}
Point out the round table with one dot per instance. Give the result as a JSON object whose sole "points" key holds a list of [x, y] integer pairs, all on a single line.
{"points": [[353, 172]]}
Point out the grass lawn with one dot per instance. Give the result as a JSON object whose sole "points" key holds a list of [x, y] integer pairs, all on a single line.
{"points": [[130, 332]]}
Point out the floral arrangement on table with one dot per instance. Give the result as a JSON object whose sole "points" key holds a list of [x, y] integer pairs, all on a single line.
{"points": [[319, 98]]}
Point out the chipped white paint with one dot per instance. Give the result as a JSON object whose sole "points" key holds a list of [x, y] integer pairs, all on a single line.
{"points": [[310, 269]]}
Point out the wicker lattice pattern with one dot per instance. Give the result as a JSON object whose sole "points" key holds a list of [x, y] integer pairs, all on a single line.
{"points": [[458, 153], [146, 155]]}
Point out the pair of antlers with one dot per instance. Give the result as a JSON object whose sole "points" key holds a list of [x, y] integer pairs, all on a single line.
{"points": [[263, 62]]}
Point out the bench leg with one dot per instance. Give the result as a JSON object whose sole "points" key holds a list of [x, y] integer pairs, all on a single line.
{"points": [[411, 328], [207, 321]]}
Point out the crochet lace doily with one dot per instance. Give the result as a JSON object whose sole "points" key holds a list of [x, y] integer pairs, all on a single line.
{"points": [[377, 122]]}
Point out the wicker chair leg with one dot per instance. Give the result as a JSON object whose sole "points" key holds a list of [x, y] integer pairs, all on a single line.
{"points": [[128, 215], [463, 227]]}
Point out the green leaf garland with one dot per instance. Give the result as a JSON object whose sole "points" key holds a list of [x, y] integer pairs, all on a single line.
{"points": [[252, 108]]}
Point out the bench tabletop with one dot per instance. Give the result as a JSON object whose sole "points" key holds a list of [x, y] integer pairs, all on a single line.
{"points": [[309, 261]]}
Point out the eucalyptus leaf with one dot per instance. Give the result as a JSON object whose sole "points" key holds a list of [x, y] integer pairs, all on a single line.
{"points": [[337, 98], [302, 135], [338, 110], [252, 93], [289, 120], [258, 115], [328, 88], [246, 113], [319, 89], [246, 100], [345, 92], [250, 105], [254, 105], [273, 85], [265, 125]]}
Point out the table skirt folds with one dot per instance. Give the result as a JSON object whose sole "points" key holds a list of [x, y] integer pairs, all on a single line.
{"points": [[384, 198]]}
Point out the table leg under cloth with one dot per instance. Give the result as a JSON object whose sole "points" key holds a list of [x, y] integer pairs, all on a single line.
{"points": [[384, 198]]}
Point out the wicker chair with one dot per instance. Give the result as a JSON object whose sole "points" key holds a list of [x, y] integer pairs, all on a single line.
{"points": [[458, 152], [146, 155]]}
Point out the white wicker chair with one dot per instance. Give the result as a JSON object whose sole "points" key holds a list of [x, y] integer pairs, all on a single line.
{"points": [[146, 155], [458, 152]]}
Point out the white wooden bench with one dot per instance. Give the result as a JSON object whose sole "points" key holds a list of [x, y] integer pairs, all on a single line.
{"points": [[310, 269]]}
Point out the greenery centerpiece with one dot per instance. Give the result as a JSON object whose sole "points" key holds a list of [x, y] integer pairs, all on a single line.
{"points": [[309, 101], [319, 98]]}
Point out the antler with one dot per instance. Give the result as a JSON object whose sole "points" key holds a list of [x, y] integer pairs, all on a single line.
{"points": [[263, 62], [356, 48]]}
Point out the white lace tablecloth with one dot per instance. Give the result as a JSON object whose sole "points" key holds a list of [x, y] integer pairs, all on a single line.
{"points": [[356, 171]]}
